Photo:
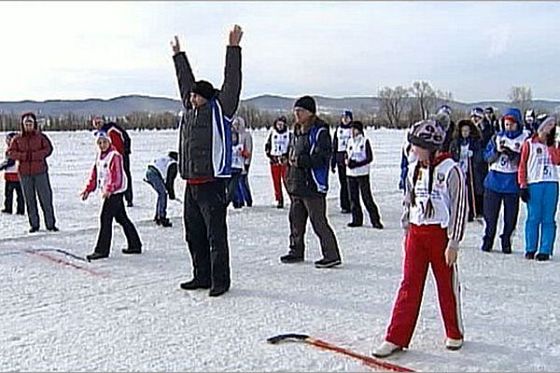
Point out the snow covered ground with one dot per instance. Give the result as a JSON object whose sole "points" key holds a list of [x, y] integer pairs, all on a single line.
{"points": [[128, 313]]}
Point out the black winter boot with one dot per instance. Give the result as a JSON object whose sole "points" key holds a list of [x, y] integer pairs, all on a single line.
{"points": [[195, 284], [164, 222], [291, 258], [95, 255], [542, 257]]}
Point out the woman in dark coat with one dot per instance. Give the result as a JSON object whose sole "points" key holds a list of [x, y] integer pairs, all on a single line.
{"points": [[466, 149]]}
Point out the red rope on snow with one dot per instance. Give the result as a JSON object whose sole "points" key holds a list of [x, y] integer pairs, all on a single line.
{"points": [[63, 262]]}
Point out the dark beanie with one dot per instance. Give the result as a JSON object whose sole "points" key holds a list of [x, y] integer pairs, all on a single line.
{"points": [[307, 103], [29, 114], [204, 88], [358, 125]]}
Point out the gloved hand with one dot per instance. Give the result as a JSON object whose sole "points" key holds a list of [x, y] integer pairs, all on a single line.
{"points": [[524, 194], [507, 151], [333, 169], [470, 154], [351, 163], [401, 184]]}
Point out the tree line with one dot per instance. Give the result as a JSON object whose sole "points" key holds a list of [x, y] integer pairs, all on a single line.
{"points": [[398, 107]]}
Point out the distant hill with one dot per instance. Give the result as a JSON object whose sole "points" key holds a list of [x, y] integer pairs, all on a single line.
{"points": [[124, 105], [117, 106]]}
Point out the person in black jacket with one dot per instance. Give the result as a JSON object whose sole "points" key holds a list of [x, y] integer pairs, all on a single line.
{"points": [[485, 128], [342, 135], [205, 163], [466, 149], [359, 156], [161, 175], [309, 154]]}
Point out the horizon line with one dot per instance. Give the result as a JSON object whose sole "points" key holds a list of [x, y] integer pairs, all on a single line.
{"points": [[247, 98]]}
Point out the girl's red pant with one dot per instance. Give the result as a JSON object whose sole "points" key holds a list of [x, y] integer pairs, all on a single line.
{"points": [[278, 171], [425, 245]]}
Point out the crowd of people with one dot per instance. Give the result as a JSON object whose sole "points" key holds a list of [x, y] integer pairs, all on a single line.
{"points": [[450, 174]]}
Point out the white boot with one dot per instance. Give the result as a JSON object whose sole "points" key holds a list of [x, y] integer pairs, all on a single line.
{"points": [[453, 344], [386, 349]]}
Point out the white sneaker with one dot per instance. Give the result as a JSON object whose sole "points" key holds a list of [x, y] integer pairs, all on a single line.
{"points": [[386, 349], [453, 344]]}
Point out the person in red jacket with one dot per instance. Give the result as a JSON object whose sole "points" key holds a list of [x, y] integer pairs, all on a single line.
{"points": [[31, 149], [109, 177], [11, 181]]}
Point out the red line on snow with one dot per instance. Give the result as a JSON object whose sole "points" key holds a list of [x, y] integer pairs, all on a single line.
{"points": [[367, 360], [63, 262]]}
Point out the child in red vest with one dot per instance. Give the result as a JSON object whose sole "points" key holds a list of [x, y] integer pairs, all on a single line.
{"points": [[11, 180]]}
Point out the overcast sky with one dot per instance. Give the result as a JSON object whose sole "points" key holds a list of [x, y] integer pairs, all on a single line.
{"points": [[476, 50]]}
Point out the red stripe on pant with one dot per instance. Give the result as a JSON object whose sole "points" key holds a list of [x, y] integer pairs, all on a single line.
{"points": [[425, 245], [278, 171]]}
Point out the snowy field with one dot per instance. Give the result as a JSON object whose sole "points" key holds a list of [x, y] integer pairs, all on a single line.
{"points": [[128, 314]]}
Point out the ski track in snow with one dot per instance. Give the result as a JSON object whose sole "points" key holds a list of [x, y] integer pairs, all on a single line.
{"points": [[135, 317]]}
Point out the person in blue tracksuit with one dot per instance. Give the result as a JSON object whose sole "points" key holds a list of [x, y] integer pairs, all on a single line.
{"points": [[238, 156], [503, 153], [161, 174]]}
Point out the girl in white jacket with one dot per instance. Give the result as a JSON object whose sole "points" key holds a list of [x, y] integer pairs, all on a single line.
{"points": [[358, 158]]}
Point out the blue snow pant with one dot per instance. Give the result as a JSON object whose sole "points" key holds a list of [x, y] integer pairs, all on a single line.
{"points": [[492, 203], [154, 179], [244, 191], [541, 213]]}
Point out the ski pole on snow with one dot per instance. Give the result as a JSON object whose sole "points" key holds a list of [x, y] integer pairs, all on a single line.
{"points": [[368, 360]]}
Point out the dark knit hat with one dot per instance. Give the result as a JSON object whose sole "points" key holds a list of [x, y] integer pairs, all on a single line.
{"points": [[307, 103], [358, 125], [348, 113], [204, 88], [31, 115]]}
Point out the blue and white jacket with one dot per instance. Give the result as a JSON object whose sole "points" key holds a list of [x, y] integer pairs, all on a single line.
{"points": [[309, 155], [503, 153]]}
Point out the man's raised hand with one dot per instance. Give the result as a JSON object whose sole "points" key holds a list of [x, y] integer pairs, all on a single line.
{"points": [[235, 36], [175, 46]]}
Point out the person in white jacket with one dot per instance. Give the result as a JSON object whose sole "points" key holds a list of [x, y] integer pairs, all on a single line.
{"points": [[435, 211], [359, 156]]}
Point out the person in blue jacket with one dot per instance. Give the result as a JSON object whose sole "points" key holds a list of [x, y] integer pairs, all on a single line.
{"points": [[307, 183], [503, 153]]}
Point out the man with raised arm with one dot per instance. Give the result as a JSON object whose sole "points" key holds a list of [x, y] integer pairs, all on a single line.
{"points": [[204, 162]]}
